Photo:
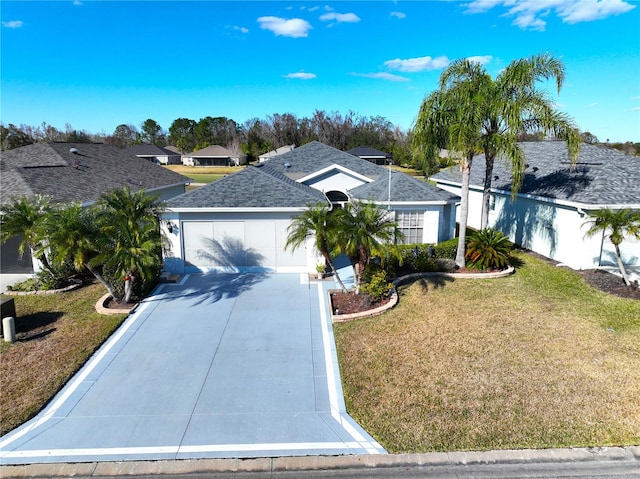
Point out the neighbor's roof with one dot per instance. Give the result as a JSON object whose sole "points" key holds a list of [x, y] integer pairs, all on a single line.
{"points": [[368, 152], [249, 188], [52, 169], [213, 151], [602, 176], [146, 149]]}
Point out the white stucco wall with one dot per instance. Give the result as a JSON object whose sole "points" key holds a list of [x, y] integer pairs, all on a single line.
{"points": [[335, 180], [554, 230]]}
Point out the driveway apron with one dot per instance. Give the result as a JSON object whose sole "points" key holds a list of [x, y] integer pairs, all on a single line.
{"points": [[218, 365]]}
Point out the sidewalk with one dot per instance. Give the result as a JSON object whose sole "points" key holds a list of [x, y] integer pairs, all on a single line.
{"points": [[588, 461]]}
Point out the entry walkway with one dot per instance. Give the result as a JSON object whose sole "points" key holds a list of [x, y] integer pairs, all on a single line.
{"points": [[217, 366]]}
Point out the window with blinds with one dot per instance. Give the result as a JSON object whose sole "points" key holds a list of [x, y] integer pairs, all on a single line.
{"points": [[411, 223]]}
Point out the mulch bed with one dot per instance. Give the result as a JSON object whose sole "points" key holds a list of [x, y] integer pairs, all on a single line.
{"points": [[609, 283], [349, 303]]}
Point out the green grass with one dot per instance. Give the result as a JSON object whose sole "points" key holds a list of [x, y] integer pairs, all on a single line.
{"points": [[207, 178], [538, 359], [56, 334]]}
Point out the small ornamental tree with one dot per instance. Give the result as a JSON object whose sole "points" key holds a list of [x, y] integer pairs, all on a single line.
{"points": [[617, 224]]}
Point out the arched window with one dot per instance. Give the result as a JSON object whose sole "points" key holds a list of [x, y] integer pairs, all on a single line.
{"points": [[337, 197]]}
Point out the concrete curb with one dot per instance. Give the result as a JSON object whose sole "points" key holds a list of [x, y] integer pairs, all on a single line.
{"points": [[602, 455], [102, 310]]}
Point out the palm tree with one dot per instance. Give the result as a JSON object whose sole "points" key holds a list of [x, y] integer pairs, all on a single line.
{"points": [[369, 231], [73, 233], [321, 223], [510, 105], [130, 222], [24, 216], [451, 117], [618, 223]]}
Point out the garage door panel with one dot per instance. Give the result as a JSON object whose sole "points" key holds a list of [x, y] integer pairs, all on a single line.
{"points": [[239, 244], [197, 234]]}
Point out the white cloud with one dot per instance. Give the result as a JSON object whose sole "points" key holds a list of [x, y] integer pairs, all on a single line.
{"points": [[398, 14], [417, 64], [382, 76], [12, 24], [481, 59], [340, 17], [301, 76], [636, 108], [77, 3], [241, 29], [527, 13], [294, 27]]}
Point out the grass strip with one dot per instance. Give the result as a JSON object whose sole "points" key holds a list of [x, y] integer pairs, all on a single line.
{"points": [[56, 335]]}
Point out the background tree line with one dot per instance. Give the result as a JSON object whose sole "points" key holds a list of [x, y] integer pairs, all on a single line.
{"points": [[259, 135]]}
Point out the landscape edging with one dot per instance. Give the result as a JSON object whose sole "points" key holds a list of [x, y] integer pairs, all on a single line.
{"points": [[76, 284], [100, 307]]}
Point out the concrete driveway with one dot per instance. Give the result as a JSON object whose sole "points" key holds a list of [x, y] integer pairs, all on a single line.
{"points": [[219, 365]]}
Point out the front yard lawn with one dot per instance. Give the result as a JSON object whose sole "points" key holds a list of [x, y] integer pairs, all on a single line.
{"points": [[538, 359], [56, 334]]}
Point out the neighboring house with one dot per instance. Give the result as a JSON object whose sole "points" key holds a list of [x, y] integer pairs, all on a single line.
{"points": [[213, 156], [549, 213], [76, 172], [155, 154], [270, 154], [371, 154], [240, 222]]}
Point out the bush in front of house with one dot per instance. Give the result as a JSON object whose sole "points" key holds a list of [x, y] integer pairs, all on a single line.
{"points": [[488, 249]]}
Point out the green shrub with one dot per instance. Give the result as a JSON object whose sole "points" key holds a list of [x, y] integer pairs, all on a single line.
{"points": [[446, 249], [377, 286], [488, 249]]}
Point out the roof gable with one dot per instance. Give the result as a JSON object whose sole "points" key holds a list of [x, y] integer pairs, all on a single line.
{"points": [[315, 156]]}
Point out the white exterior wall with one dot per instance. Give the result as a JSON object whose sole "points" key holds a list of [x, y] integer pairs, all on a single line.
{"points": [[553, 230]]}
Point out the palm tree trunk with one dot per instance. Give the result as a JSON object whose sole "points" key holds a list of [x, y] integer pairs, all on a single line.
{"points": [[464, 211], [623, 270], [327, 257], [486, 191], [99, 277], [128, 287]]}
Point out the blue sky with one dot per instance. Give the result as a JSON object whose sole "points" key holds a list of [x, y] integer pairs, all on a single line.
{"points": [[97, 64]]}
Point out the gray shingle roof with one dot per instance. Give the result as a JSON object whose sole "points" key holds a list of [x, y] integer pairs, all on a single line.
{"points": [[368, 151], [316, 156], [272, 183], [249, 188], [146, 149], [601, 175], [403, 188], [52, 169]]}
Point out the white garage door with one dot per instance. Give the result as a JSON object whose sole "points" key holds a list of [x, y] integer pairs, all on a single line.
{"points": [[239, 245]]}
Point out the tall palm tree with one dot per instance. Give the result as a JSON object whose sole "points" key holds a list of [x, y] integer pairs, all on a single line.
{"points": [[509, 105], [369, 231], [130, 221], [73, 233], [24, 216], [618, 223], [451, 117], [322, 224]]}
